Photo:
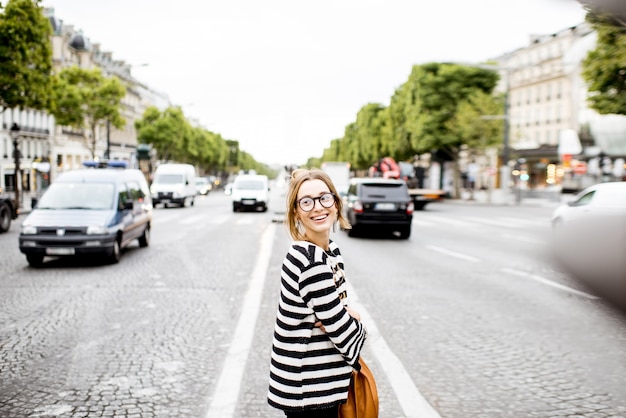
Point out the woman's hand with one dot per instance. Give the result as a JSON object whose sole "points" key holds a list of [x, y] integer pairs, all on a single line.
{"points": [[352, 313]]}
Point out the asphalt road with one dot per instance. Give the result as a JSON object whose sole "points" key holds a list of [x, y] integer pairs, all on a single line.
{"points": [[471, 317]]}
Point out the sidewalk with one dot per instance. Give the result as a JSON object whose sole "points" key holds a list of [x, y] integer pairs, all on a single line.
{"points": [[499, 197]]}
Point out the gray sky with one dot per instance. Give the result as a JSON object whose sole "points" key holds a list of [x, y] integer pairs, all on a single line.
{"points": [[284, 77]]}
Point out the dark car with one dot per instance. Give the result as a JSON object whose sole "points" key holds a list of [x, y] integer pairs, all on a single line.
{"points": [[378, 204], [95, 211]]}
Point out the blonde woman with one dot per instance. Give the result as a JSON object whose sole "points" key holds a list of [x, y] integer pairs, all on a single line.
{"points": [[317, 337]]}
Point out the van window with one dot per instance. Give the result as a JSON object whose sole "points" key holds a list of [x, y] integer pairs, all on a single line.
{"points": [[78, 196], [123, 195], [250, 185], [169, 178], [135, 191]]}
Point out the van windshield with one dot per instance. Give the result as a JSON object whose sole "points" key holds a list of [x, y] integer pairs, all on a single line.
{"points": [[249, 185], [168, 178], [78, 196]]}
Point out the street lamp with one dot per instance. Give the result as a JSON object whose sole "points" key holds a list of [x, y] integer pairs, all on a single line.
{"points": [[15, 136]]}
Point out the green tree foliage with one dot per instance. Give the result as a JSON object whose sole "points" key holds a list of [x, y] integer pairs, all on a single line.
{"points": [[84, 99], [164, 131], [439, 109], [474, 121], [604, 68], [25, 56], [175, 139], [436, 92], [611, 11]]}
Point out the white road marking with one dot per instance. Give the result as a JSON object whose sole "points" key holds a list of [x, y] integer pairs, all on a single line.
{"points": [[454, 254], [532, 222], [521, 238], [228, 385], [246, 220], [411, 401], [493, 222], [419, 222], [548, 282], [199, 218], [453, 221]]}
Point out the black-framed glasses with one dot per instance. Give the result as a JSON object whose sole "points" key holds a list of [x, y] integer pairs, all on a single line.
{"points": [[308, 203]]}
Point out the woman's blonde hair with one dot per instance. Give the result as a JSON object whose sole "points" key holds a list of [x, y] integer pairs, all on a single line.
{"points": [[298, 177]]}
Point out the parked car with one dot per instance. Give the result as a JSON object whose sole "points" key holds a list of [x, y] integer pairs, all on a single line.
{"points": [[203, 186], [250, 191], [380, 204], [8, 212], [96, 211], [589, 238]]}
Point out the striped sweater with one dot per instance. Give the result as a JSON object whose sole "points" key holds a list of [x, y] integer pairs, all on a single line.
{"points": [[310, 368]]}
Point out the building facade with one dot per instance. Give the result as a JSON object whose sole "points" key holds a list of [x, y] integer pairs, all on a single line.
{"points": [[547, 102], [45, 148]]}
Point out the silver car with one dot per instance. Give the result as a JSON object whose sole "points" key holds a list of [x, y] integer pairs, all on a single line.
{"points": [[589, 237]]}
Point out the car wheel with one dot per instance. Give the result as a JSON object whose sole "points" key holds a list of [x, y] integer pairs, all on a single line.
{"points": [[144, 240], [5, 217], [405, 232], [114, 258], [352, 232], [34, 260]]}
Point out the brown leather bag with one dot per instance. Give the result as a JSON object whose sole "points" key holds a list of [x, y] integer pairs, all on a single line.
{"points": [[362, 395]]}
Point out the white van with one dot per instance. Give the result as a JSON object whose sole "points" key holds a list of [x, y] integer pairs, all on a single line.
{"points": [[250, 191], [174, 184]]}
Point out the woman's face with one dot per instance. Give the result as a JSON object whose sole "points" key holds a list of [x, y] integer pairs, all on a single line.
{"points": [[319, 219]]}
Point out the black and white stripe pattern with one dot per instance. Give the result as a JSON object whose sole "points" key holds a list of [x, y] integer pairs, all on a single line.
{"points": [[311, 369]]}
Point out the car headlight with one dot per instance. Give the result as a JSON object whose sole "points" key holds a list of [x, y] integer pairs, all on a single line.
{"points": [[28, 230], [96, 230]]}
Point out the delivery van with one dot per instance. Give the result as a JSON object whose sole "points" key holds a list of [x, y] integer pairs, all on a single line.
{"points": [[174, 184], [250, 191], [92, 211]]}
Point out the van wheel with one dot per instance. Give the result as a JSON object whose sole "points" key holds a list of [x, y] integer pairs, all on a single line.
{"points": [[193, 200], [5, 217], [114, 258], [34, 260], [144, 240]]}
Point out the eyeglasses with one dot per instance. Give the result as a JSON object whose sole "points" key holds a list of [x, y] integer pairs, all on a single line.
{"points": [[308, 203]]}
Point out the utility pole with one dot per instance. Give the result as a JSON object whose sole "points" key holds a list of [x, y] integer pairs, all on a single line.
{"points": [[15, 136]]}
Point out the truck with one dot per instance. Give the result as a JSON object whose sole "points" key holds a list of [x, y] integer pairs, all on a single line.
{"points": [[387, 167], [339, 173], [8, 212]]}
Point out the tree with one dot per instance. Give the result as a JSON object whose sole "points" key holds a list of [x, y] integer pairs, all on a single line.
{"points": [[85, 99], [164, 130], [25, 57], [604, 68], [612, 11], [474, 121], [440, 92]]}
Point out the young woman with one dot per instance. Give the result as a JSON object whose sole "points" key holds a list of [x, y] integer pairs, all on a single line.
{"points": [[317, 337]]}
